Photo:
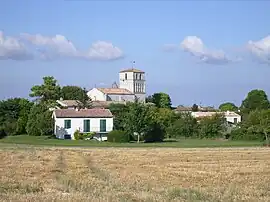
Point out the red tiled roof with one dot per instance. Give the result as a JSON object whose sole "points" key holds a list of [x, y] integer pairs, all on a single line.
{"points": [[132, 70], [117, 91], [83, 113]]}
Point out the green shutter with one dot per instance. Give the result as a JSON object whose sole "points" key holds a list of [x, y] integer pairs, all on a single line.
{"points": [[103, 125], [67, 124], [86, 125]]}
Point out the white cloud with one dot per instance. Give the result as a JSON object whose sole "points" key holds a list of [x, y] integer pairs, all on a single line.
{"points": [[60, 46], [12, 49], [260, 49], [102, 50], [196, 47]]}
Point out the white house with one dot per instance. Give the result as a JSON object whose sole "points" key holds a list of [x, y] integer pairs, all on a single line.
{"points": [[67, 121], [231, 117], [131, 85]]}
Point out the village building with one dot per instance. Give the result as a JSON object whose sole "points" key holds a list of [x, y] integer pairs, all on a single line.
{"points": [[132, 85], [97, 120]]}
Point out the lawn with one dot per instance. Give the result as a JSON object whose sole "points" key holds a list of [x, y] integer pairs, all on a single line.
{"points": [[182, 143], [129, 174]]}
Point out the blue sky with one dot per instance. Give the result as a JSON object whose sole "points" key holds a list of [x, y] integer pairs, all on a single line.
{"points": [[204, 52]]}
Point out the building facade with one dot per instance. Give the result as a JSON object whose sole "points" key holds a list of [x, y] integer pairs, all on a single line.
{"points": [[67, 121], [132, 85]]}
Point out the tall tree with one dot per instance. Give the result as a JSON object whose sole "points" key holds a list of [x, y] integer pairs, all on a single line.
{"points": [[40, 121], [165, 119], [161, 100], [25, 107], [85, 101], [256, 99], [184, 126], [13, 115], [140, 119], [48, 92], [73, 93], [118, 110], [228, 106]]}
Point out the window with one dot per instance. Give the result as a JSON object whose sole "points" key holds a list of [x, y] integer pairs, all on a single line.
{"points": [[67, 124], [140, 77], [86, 126], [235, 120], [103, 125], [126, 76]]}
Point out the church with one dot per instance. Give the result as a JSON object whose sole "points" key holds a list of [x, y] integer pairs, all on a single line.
{"points": [[131, 86]]}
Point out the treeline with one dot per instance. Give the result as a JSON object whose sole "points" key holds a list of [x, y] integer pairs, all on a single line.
{"points": [[153, 121], [21, 116]]}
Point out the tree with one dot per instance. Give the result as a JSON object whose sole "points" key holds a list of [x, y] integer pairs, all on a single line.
{"points": [[211, 127], [165, 118], [25, 107], [255, 127], [195, 108], [119, 112], [48, 92], [256, 99], [161, 100], [14, 114], [85, 101], [228, 106], [184, 126], [40, 121], [141, 120], [73, 93]]}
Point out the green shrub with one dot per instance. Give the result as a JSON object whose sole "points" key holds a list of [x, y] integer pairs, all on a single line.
{"points": [[77, 135], [83, 136], [2, 133], [156, 134], [118, 136]]}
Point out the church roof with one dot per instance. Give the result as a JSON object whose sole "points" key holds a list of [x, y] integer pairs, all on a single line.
{"points": [[132, 70], [116, 91]]}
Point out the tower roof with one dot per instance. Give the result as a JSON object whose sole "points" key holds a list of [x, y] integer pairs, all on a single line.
{"points": [[132, 70]]}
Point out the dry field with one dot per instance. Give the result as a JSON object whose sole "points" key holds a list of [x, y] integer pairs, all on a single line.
{"points": [[141, 174]]}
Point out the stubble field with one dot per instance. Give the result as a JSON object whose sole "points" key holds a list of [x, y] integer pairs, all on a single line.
{"points": [[134, 174]]}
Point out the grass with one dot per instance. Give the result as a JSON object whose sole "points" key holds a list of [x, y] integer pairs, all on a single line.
{"points": [[183, 143], [128, 174]]}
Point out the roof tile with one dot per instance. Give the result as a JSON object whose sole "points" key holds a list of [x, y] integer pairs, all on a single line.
{"points": [[83, 113], [117, 91]]}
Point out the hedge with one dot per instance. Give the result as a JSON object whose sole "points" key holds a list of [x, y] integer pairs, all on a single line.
{"points": [[117, 136]]}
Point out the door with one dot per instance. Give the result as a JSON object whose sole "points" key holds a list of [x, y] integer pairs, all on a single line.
{"points": [[103, 125]]}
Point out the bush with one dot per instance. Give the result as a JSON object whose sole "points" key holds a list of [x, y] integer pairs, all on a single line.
{"points": [[83, 136], [118, 136], [77, 135], [156, 134], [2, 133]]}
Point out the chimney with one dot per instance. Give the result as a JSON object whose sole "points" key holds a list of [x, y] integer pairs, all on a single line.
{"points": [[61, 99]]}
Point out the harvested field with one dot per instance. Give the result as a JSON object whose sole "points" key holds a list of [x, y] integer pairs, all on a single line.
{"points": [[138, 174]]}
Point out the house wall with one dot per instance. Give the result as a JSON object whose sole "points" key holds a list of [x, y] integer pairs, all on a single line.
{"points": [[231, 118], [228, 117], [120, 97], [77, 124], [96, 95]]}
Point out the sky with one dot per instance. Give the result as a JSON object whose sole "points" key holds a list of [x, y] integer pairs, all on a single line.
{"points": [[204, 52]]}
